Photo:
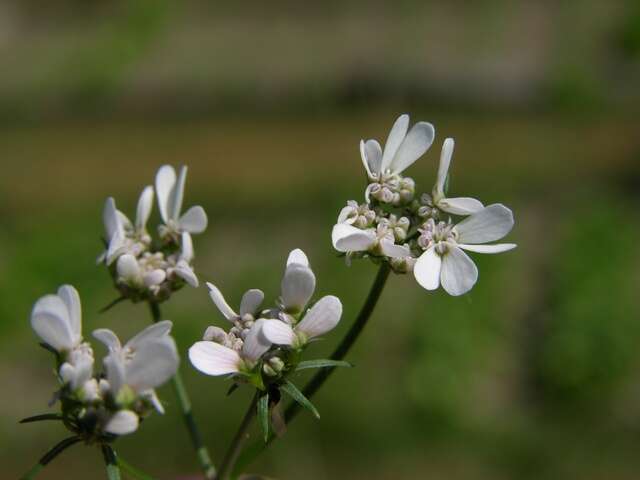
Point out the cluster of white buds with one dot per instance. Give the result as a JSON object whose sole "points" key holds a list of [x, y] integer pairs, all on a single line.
{"points": [[101, 407], [412, 235], [263, 345], [143, 269]]}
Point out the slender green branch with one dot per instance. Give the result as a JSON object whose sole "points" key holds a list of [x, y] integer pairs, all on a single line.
{"points": [[111, 462], [49, 456], [347, 342], [338, 354], [133, 471], [185, 405], [236, 444]]}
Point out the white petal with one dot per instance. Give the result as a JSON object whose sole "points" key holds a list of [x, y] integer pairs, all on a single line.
{"points": [[443, 168], [177, 194], [251, 301], [278, 332], [117, 246], [194, 220], [298, 256], [154, 277], [371, 154], [71, 299], [165, 181], [214, 334], [343, 215], [151, 333], [122, 423], [220, 302], [186, 252], [116, 376], [214, 359], [427, 269], [145, 204], [155, 362], [255, 343], [128, 267], [460, 205], [108, 338], [488, 225], [110, 218], [394, 251], [322, 317], [414, 145], [184, 271], [297, 287], [495, 248], [347, 238], [396, 136], [50, 321], [459, 273], [152, 396]]}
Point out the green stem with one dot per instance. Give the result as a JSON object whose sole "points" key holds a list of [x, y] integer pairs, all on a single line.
{"points": [[185, 406], [133, 471], [338, 354], [347, 342], [236, 444], [111, 462], [49, 456]]}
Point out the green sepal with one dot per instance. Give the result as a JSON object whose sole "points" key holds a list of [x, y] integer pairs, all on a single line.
{"points": [[291, 390], [322, 363], [40, 418], [263, 415]]}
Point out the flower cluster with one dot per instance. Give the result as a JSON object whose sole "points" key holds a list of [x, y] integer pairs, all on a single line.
{"points": [[144, 269], [418, 233], [263, 345], [100, 407]]}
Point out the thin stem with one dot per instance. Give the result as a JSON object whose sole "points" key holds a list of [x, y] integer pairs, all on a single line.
{"points": [[338, 354], [133, 471], [49, 456], [347, 342], [111, 462], [185, 406], [236, 444]]}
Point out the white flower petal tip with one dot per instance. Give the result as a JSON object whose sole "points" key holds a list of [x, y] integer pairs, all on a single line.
{"points": [[427, 269], [155, 361], [278, 332], [443, 168], [194, 220], [214, 359], [394, 251], [56, 319], [122, 423], [459, 274], [255, 343], [107, 338], [460, 205], [488, 225], [184, 271], [219, 301], [299, 257], [165, 181], [322, 317], [297, 287], [145, 205], [347, 238], [496, 248], [251, 301], [413, 146]]}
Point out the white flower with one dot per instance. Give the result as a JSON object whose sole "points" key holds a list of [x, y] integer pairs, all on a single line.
{"points": [[77, 371], [298, 283], [122, 422], [57, 319], [242, 321], [122, 235], [320, 319], [145, 362], [400, 151], [379, 241], [146, 272], [444, 261], [458, 205], [170, 190], [214, 358], [182, 267]]}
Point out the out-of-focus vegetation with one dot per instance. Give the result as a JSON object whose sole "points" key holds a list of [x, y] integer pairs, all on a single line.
{"points": [[532, 375]]}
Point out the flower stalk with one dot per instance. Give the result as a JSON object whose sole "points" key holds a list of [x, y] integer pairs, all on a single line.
{"points": [[235, 447], [184, 401], [49, 456], [111, 462]]}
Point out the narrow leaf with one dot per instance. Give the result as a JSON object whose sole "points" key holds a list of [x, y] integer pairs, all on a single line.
{"points": [[323, 363], [263, 415], [291, 390], [40, 418]]}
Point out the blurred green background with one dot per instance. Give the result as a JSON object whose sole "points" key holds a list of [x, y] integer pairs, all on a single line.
{"points": [[533, 375]]}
